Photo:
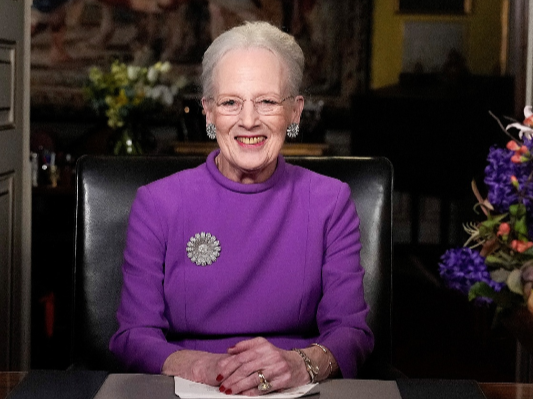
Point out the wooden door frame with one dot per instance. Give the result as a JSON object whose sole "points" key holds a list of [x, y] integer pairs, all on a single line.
{"points": [[15, 176]]}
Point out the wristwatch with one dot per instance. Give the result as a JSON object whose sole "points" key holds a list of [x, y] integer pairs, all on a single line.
{"points": [[311, 368]]}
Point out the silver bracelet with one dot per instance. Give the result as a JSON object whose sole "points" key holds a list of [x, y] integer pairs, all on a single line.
{"points": [[330, 364]]}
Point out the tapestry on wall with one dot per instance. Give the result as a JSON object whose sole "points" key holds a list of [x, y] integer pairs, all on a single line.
{"points": [[70, 36]]}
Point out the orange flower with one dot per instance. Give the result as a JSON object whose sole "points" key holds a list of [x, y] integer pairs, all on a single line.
{"points": [[513, 146], [504, 229], [521, 246], [516, 158]]}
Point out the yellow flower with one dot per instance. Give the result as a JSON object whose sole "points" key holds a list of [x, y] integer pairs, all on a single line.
{"points": [[152, 75], [163, 67], [138, 99], [123, 89], [119, 72], [109, 100], [133, 72], [121, 99], [95, 75], [114, 120]]}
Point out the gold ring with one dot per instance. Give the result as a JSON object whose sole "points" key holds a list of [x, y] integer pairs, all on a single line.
{"points": [[264, 385]]}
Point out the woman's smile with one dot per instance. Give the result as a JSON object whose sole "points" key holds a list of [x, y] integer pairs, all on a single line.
{"points": [[250, 140]]}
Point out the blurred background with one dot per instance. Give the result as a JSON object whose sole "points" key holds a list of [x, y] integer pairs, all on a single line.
{"points": [[410, 80]]}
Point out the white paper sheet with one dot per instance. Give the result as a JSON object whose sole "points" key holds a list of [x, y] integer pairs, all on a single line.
{"points": [[186, 389]]}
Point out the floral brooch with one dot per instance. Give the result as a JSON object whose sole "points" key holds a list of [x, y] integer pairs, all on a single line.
{"points": [[203, 249]]}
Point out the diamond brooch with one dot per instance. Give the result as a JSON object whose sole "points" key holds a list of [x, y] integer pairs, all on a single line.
{"points": [[203, 249]]}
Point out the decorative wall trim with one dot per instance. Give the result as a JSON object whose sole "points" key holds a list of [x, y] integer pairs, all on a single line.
{"points": [[6, 265], [7, 85]]}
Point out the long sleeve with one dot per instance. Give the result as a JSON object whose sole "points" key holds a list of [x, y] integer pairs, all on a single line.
{"points": [[140, 341], [342, 310], [289, 245]]}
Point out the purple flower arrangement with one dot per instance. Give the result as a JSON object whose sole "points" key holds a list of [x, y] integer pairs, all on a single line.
{"points": [[464, 267], [496, 262], [502, 193]]}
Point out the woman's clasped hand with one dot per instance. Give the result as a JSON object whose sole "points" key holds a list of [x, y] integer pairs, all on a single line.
{"points": [[238, 371]]}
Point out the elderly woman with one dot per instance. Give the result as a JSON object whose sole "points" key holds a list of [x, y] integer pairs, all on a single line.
{"points": [[244, 273]]}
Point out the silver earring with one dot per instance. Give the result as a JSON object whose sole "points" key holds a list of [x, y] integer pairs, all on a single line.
{"points": [[293, 130], [211, 131]]}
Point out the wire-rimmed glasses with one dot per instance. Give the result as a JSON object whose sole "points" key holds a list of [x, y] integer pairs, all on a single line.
{"points": [[264, 105]]}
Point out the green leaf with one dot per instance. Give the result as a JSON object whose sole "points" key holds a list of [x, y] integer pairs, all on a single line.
{"points": [[528, 252], [521, 228], [504, 298], [494, 260], [481, 289], [514, 282], [490, 224], [517, 210], [500, 275], [508, 257], [497, 218]]}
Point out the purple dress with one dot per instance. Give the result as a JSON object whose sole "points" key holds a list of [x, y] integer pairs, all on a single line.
{"points": [[288, 268]]}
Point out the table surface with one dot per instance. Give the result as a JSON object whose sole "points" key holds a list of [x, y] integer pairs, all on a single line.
{"points": [[492, 390]]}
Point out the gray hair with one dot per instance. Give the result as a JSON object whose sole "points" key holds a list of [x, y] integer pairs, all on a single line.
{"points": [[253, 35]]}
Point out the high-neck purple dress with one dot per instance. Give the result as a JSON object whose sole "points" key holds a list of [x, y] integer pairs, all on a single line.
{"points": [[287, 268]]}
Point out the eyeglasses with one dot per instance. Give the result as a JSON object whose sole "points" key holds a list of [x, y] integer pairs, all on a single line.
{"points": [[263, 105]]}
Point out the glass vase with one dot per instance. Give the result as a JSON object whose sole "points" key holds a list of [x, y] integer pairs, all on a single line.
{"points": [[126, 141], [519, 322]]}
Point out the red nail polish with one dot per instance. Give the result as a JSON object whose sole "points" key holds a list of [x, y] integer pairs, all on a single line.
{"points": [[219, 377], [228, 392], [222, 389]]}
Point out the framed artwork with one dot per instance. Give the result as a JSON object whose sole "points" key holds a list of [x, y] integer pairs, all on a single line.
{"points": [[70, 36], [434, 6], [428, 46]]}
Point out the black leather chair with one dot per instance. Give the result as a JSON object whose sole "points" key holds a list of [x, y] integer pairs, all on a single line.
{"points": [[106, 187]]}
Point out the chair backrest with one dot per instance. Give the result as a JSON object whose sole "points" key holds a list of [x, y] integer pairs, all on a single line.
{"points": [[106, 187]]}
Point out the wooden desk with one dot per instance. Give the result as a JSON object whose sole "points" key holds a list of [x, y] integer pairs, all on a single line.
{"points": [[492, 390], [289, 149], [8, 381]]}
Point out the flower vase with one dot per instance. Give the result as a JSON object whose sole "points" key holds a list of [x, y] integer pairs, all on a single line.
{"points": [[519, 322], [131, 140]]}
